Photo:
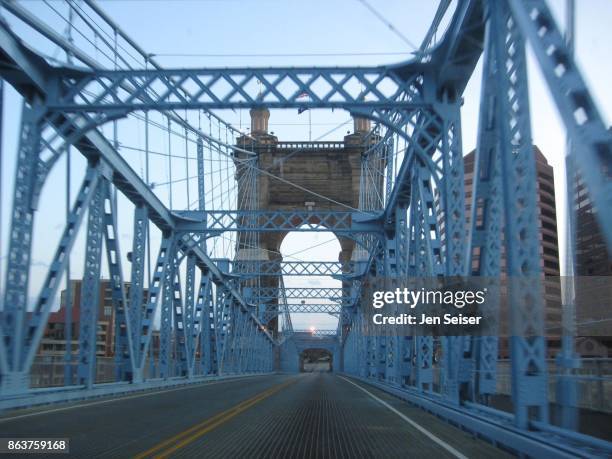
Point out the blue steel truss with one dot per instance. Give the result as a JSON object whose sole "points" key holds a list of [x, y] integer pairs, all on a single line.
{"points": [[310, 308], [219, 221], [333, 87], [316, 333], [295, 268], [212, 321], [314, 293]]}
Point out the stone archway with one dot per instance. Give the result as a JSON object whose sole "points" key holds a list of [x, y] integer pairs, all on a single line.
{"points": [[329, 169]]}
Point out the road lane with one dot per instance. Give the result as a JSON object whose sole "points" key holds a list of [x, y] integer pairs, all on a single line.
{"points": [[316, 415], [323, 416], [126, 427]]}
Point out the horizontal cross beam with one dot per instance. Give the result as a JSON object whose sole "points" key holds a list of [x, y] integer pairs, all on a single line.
{"points": [[328, 293], [293, 268], [216, 222], [305, 308], [221, 88], [320, 308], [316, 333]]}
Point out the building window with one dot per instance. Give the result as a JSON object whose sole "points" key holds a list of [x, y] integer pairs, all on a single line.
{"points": [[108, 310]]}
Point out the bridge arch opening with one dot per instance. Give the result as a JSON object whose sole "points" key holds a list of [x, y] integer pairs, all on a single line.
{"points": [[319, 252], [316, 360]]}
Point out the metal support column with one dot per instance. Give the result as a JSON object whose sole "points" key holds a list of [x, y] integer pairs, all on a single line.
{"points": [[90, 290], [528, 342]]}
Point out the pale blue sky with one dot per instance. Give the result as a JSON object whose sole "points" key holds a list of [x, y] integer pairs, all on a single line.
{"points": [[247, 27]]}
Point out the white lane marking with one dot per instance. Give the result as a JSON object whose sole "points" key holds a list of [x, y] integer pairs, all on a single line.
{"points": [[423, 430], [119, 399]]}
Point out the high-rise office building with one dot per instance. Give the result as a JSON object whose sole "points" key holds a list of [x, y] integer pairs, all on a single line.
{"points": [[592, 256], [593, 266], [549, 244]]}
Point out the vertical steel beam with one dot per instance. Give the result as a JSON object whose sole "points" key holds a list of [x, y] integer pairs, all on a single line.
{"points": [[166, 329], [484, 249], [124, 358], [527, 343], [381, 355], [137, 258], [390, 279], [452, 195], [457, 368], [201, 182], [223, 305], [403, 343], [19, 250], [179, 347], [425, 261], [164, 258], [207, 326], [90, 290], [189, 315]]}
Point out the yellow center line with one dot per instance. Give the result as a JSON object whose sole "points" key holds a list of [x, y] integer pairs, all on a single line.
{"points": [[187, 436]]}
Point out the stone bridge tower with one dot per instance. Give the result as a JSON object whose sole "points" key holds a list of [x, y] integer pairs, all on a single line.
{"points": [[330, 169]]}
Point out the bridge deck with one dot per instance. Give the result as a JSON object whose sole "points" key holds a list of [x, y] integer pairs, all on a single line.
{"points": [[309, 415]]}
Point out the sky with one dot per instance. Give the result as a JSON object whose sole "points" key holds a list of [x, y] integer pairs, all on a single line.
{"points": [[202, 33]]}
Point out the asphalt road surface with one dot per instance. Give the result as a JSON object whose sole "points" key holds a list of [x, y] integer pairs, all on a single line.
{"points": [[314, 415]]}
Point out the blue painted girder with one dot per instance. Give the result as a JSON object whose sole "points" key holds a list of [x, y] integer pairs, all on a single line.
{"points": [[246, 268], [331, 293], [219, 221], [209, 88]]}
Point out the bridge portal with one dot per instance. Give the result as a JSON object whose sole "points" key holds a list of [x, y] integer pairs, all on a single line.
{"points": [[310, 176]]}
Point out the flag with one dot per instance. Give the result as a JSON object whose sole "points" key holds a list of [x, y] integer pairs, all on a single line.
{"points": [[301, 95]]}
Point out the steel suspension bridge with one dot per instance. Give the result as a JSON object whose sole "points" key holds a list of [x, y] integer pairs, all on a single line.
{"points": [[204, 345]]}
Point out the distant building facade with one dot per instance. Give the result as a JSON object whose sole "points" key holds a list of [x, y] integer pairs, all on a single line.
{"points": [[549, 243], [53, 342], [593, 266], [592, 255]]}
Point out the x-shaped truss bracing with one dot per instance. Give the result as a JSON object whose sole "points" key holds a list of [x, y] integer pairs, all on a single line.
{"points": [[215, 222], [292, 268], [330, 293], [316, 332], [96, 91]]}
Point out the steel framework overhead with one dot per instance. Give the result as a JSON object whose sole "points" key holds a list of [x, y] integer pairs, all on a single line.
{"points": [[198, 310]]}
